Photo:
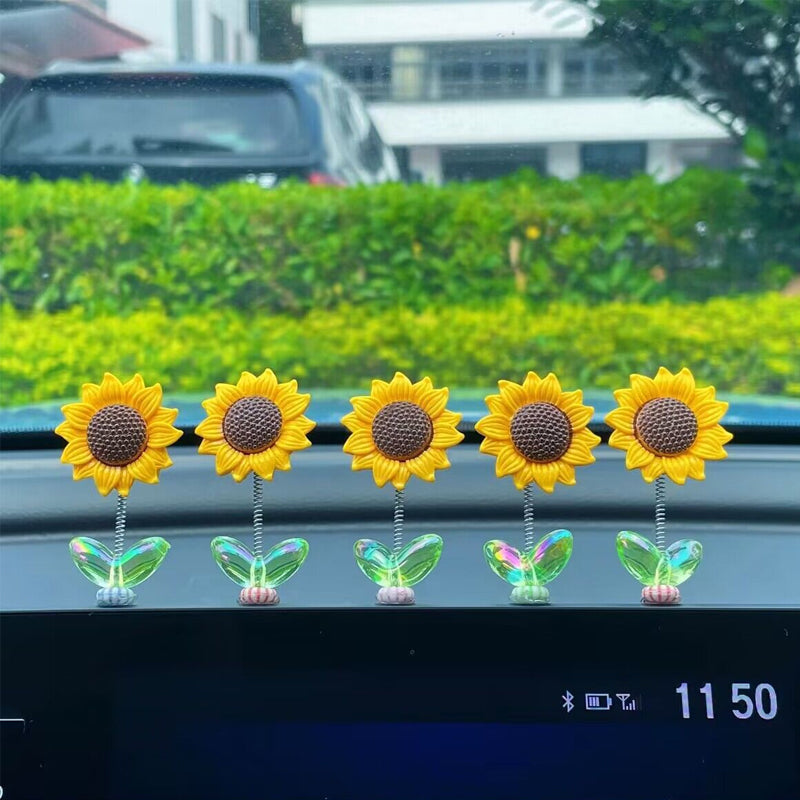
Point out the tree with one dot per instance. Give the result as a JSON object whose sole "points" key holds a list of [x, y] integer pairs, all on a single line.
{"points": [[735, 60]]}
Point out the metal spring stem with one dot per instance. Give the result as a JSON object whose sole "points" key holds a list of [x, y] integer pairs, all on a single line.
{"points": [[258, 514], [528, 517], [661, 512], [399, 510], [119, 526]]}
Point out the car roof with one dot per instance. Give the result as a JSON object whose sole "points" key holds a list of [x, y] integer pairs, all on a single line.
{"points": [[295, 72]]}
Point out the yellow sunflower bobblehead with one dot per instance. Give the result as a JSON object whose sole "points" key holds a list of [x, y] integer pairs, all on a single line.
{"points": [[252, 427], [401, 429], [668, 428], [538, 434], [118, 434]]}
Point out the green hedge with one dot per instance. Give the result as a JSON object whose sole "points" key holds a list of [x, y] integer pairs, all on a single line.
{"points": [[748, 345], [120, 248]]}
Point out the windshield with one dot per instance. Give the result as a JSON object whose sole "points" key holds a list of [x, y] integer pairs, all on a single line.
{"points": [[589, 188], [153, 116]]}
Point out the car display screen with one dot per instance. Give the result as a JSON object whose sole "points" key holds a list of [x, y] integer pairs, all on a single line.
{"points": [[567, 704]]}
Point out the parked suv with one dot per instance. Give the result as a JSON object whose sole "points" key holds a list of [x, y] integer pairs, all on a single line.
{"points": [[200, 123]]}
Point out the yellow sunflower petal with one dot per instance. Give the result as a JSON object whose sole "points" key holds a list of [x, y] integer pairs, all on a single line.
{"points": [[513, 393], [294, 406], [402, 475], [449, 418], [709, 414], [364, 462], [652, 470], [621, 419], [147, 401], [549, 390], [545, 476], [292, 439], [90, 393], [68, 431], [243, 469], [384, 469], [210, 428], [707, 447], [620, 440], [111, 390], [79, 414], [570, 399], [677, 468], [380, 391], [359, 443], [580, 416], [247, 384], [209, 447], [133, 386], [566, 474], [423, 466], [498, 405], [696, 468], [143, 470], [492, 446], [228, 459], [440, 458], [106, 478], [683, 387], [282, 459], [227, 394], [434, 402], [77, 452], [494, 426], [445, 436], [365, 408], [400, 388], [124, 481], [283, 391], [161, 435], [530, 386], [354, 423], [637, 456], [266, 384], [643, 389], [81, 471], [509, 462], [264, 464], [578, 455]]}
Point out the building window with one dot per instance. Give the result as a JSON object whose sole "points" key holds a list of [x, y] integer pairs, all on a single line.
{"points": [[184, 23], [252, 17], [368, 71], [485, 163], [596, 72], [616, 159], [218, 49]]}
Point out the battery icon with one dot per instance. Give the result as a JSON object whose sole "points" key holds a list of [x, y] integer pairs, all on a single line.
{"points": [[596, 701]]}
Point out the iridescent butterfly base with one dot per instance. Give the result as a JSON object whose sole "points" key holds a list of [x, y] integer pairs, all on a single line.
{"points": [[117, 575], [528, 571], [259, 575], [660, 571]]}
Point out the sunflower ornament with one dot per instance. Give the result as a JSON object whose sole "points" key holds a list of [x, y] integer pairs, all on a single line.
{"points": [[118, 434], [252, 427], [538, 435], [668, 428], [401, 429]]}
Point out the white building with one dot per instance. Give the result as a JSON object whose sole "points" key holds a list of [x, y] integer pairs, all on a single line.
{"points": [[469, 89], [191, 30]]}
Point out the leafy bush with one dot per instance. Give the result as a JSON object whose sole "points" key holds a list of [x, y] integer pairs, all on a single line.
{"points": [[747, 345], [118, 248]]}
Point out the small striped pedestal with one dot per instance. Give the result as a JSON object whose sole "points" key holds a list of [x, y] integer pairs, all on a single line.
{"points": [[115, 597], [258, 596], [661, 596]]}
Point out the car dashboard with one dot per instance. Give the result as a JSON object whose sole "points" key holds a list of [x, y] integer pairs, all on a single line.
{"points": [[460, 696]]}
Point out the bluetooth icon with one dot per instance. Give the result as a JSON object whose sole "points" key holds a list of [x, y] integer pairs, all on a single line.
{"points": [[568, 698]]}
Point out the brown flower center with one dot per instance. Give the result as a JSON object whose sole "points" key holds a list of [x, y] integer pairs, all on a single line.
{"points": [[541, 432], [252, 424], [402, 430], [665, 426], [117, 435]]}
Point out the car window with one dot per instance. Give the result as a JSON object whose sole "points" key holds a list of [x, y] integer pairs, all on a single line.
{"points": [[589, 187], [155, 117]]}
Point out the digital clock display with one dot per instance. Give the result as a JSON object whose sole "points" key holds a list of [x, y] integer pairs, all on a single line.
{"points": [[560, 704]]}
